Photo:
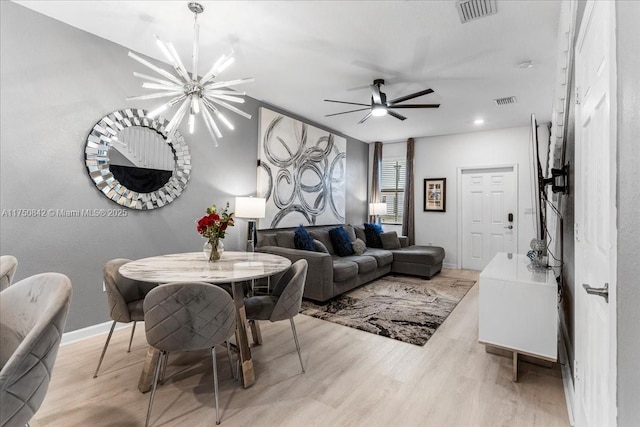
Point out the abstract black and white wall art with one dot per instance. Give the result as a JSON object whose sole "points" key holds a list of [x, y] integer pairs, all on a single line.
{"points": [[301, 173]]}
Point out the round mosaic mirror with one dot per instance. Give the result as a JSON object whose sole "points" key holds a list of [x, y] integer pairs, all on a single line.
{"points": [[131, 162]]}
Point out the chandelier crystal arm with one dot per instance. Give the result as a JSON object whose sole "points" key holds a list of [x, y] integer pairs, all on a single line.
{"points": [[181, 67], [225, 105], [196, 37], [211, 125], [218, 66], [154, 96], [226, 92], [153, 79], [148, 85], [177, 64], [177, 118], [156, 69], [229, 83], [163, 107], [225, 97]]}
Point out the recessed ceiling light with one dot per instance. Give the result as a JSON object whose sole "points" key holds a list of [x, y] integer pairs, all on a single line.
{"points": [[478, 122], [525, 64]]}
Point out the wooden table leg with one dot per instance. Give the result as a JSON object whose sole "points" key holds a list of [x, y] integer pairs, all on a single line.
{"points": [[148, 370], [514, 375], [242, 340]]}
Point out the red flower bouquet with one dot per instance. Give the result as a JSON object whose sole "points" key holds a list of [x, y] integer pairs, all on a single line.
{"points": [[213, 226]]}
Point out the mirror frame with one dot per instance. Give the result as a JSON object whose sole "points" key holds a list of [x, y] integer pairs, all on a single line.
{"points": [[97, 161]]}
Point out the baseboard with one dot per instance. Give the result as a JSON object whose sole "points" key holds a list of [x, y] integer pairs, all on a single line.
{"points": [[450, 266], [567, 378], [90, 331]]}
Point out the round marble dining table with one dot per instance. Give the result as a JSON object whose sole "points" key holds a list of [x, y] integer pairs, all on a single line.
{"points": [[232, 267]]}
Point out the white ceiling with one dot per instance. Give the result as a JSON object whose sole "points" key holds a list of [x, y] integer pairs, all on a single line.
{"points": [[301, 52]]}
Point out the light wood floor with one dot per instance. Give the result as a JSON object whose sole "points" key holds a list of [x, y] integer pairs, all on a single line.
{"points": [[353, 378]]}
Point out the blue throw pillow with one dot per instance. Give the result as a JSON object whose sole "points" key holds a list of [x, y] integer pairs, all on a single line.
{"points": [[341, 241], [303, 240], [372, 232]]}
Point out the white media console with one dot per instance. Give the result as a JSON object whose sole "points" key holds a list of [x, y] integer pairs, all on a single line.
{"points": [[518, 308]]}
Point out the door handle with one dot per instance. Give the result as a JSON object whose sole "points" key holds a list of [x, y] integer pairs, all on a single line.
{"points": [[510, 227], [601, 292]]}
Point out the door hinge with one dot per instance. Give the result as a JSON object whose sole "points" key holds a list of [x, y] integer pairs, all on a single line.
{"points": [[577, 95]]}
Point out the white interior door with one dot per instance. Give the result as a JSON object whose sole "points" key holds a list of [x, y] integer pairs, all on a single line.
{"points": [[595, 213], [489, 219]]}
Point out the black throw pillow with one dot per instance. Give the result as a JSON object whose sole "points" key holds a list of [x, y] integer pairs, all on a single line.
{"points": [[341, 241], [303, 240], [372, 232]]}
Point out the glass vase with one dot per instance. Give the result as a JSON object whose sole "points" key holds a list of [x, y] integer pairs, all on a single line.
{"points": [[213, 249]]}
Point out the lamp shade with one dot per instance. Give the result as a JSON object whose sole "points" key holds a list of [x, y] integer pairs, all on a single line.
{"points": [[378, 208], [250, 207]]}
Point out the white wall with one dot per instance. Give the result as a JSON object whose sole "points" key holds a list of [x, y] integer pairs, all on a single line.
{"points": [[441, 156]]}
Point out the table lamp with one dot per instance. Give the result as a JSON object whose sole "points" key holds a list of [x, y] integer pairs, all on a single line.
{"points": [[251, 209], [378, 209]]}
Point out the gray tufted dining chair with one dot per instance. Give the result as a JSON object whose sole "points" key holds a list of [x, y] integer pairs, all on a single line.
{"points": [[8, 266], [187, 317], [33, 313], [284, 302], [125, 298]]}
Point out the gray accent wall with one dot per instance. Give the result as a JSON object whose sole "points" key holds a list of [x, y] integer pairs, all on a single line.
{"points": [[56, 83]]}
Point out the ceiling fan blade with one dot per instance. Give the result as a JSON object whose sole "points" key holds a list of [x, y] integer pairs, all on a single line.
{"points": [[375, 94], [345, 102], [396, 115], [408, 97], [365, 118], [345, 112], [415, 106]]}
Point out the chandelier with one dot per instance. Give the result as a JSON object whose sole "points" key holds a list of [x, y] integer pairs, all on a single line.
{"points": [[194, 95]]}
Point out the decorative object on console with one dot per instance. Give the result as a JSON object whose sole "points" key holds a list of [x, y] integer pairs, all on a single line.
{"points": [[301, 172], [377, 209], [435, 195], [193, 94], [132, 162], [252, 209], [213, 227]]}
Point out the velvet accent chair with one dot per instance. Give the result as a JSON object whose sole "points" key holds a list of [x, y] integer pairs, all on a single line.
{"points": [[33, 313], [187, 317], [284, 302], [125, 297], [8, 266]]}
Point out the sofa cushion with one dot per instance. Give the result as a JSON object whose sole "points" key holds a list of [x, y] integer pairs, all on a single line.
{"points": [[320, 247], [390, 240], [285, 239], [267, 239], [360, 233], [359, 247], [382, 256], [419, 255], [303, 240], [365, 263], [350, 232], [344, 270], [340, 241], [323, 236], [372, 232]]}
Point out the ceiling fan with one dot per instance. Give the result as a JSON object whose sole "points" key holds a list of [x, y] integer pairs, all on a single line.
{"points": [[380, 106]]}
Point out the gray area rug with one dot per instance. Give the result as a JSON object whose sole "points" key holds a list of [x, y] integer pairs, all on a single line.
{"points": [[405, 308]]}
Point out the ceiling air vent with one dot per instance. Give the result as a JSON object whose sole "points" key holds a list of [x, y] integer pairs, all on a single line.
{"points": [[474, 9], [505, 101]]}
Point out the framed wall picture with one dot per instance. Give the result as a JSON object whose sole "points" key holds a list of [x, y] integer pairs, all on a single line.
{"points": [[435, 195]]}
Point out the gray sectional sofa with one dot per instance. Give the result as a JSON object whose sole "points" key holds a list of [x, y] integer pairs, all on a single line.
{"points": [[330, 275]]}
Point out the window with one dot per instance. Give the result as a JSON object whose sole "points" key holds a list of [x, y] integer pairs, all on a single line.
{"points": [[392, 189]]}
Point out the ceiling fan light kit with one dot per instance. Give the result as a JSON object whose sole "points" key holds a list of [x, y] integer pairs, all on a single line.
{"points": [[195, 95], [379, 105]]}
